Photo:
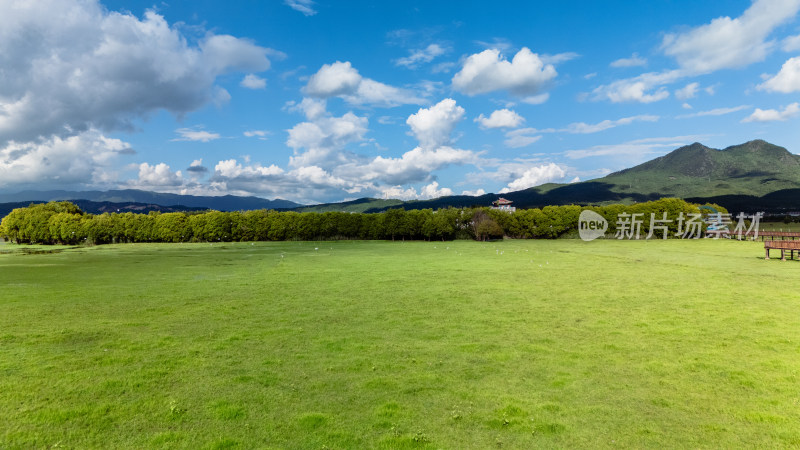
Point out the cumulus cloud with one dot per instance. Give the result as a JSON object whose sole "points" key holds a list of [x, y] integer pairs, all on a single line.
{"points": [[634, 61], [312, 108], [196, 168], [525, 75], [427, 192], [413, 166], [421, 56], [158, 176], [304, 6], [79, 161], [501, 118], [727, 43], [251, 81], [231, 169], [787, 80], [341, 79], [91, 68], [320, 140], [535, 176], [773, 115], [433, 126]]}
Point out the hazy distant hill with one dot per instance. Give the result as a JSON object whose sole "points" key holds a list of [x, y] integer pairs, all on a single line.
{"points": [[752, 176], [222, 203]]}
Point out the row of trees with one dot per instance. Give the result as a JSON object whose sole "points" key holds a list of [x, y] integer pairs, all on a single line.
{"points": [[65, 223]]}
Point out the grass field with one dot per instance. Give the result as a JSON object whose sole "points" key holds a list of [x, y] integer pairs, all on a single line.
{"points": [[514, 344]]}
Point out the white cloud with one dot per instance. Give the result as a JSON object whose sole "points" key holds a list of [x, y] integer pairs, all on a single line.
{"points": [[559, 58], [413, 166], [332, 80], [687, 92], [304, 6], [251, 81], [475, 193], [634, 61], [91, 68], [525, 75], [636, 150], [427, 192], [79, 161], [420, 56], [320, 140], [157, 176], [791, 43], [312, 108], [189, 134], [645, 88], [433, 126], [773, 115], [444, 67], [317, 177], [787, 80], [536, 99], [524, 136], [496, 43], [585, 128], [713, 112], [260, 134], [197, 169], [535, 176], [232, 169], [521, 138], [727, 43], [501, 118], [433, 191], [341, 79]]}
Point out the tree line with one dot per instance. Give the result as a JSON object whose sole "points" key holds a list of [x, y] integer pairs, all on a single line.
{"points": [[65, 223]]}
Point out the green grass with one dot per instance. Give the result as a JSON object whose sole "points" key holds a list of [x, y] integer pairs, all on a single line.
{"points": [[515, 344]]}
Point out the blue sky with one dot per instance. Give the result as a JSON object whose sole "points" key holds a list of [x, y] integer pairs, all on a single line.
{"points": [[320, 101]]}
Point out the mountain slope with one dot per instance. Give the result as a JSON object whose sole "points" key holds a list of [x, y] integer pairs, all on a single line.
{"points": [[754, 168], [752, 176]]}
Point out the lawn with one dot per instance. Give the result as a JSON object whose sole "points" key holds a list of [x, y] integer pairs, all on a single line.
{"points": [[515, 344]]}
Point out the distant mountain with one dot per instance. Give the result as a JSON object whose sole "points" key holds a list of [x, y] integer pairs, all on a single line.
{"points": [[222, 203], [754, 176], [754, 168], [91, 207]]}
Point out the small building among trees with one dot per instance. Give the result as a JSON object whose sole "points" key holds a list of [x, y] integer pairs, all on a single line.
{"points": [[503, 205]]}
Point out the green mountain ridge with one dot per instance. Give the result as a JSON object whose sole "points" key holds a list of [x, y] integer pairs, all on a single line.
{"points": [[754, 168], [752, 176]]}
